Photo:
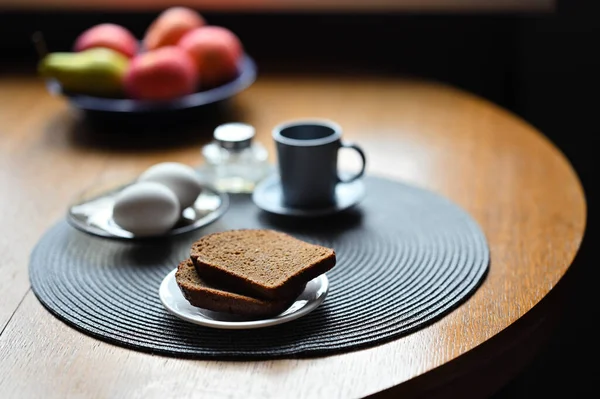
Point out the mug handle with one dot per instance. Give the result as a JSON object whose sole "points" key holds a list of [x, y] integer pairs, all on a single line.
{"points": [[363, 158]]}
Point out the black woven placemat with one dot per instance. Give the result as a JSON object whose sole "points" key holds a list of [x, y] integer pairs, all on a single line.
{"points": [[406, 257]]}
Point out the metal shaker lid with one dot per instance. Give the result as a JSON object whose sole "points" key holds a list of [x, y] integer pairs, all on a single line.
{"points": [[234, 136]]}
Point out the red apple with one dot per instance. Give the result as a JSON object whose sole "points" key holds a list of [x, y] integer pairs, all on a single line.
{"points": [[162, 74], [114, 37], [216, 52], [170, 26]]}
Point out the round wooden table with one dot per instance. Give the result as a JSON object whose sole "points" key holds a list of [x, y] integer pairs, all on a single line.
{"points": [[513, 181]]}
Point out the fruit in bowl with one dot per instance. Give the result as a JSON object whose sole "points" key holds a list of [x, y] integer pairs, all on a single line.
{"points": [[179, 56], [216, 51], [110, 36], [161, 74], [96, 71], [170, 26]]}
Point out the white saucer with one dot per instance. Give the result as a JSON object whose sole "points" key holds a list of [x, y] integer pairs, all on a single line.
{"points": [[268, 196], [170, 295]]}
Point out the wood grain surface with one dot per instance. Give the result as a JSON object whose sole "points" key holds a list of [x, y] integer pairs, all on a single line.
{"points": [[513, 181]]}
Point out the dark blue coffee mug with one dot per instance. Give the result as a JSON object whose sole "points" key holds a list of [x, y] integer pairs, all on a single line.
{"points": [[307, 157]]}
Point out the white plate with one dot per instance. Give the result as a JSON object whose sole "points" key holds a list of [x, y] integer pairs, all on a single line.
{"points": [[171, 297]]}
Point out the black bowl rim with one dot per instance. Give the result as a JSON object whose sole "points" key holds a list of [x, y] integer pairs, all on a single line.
{"points": [[246, 77]]}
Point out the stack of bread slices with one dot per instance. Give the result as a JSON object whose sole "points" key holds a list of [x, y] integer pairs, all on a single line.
{"points": [[255, 273]]}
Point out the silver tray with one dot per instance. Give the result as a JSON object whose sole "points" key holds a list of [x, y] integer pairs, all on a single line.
{"points": [[91, 213]]}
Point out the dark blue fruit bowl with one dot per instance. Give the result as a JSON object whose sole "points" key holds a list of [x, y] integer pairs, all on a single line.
{"points": [[126, 106]]}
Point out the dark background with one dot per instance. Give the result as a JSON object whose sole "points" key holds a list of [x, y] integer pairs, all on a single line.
{"points": [[541, 67]]}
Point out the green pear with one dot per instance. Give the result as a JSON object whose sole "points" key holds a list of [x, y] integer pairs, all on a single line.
{"points": [[97, 71]]}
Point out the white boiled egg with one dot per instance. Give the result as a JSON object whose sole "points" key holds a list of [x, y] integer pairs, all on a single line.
{"points": [[146, 209], [182, 179]]}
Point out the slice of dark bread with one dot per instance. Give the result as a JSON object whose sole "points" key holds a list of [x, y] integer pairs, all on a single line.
{"points": [[261, 263], [200, 294]]}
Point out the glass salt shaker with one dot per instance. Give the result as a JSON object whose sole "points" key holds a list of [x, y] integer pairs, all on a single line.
{"points": [[235, 163]]}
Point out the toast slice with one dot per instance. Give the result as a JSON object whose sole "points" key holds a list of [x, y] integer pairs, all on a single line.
{"points": [[261, 263], [200, 294]]}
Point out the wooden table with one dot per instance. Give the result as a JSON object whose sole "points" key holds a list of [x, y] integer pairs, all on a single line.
{"points": [[519, 187]]}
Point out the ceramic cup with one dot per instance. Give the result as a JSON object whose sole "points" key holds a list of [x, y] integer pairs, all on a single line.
{"points": [[307, 157]]}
